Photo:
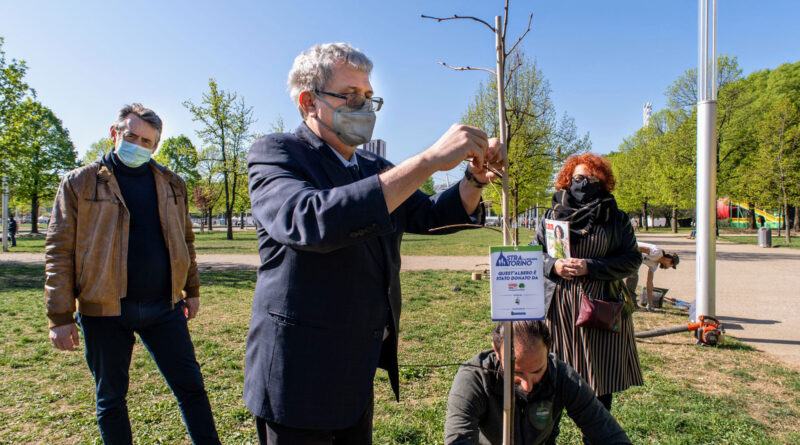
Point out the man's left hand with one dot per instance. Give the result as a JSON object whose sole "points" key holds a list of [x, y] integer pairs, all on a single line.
{"points": [[493, 162], [192, 306]]}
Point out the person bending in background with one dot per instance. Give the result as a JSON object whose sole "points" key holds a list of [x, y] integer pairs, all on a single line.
{"points": [[652, 257]]}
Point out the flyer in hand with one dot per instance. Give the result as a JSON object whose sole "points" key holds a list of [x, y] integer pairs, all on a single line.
{"points": [[557, 235], [517, 283]]}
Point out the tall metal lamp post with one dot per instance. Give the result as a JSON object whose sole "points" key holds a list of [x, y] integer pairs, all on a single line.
{"points": [[706, 157]]}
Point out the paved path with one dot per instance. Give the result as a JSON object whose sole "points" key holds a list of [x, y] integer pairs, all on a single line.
{"points": [[757, 289]]}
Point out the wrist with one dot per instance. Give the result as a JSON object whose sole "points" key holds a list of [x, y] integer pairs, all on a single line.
{"points": [[470, 178]]}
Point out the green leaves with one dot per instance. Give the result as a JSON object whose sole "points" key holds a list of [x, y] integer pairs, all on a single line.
{"points": [[42, 151], [226, 121], [97, 150], [758, 142], [179, 155], [538, 142]]}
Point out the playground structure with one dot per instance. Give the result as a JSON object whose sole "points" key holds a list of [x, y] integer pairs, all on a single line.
{"points": [[738, 214]]}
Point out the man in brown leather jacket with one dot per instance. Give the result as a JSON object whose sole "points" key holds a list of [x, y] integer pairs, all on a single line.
{"points": [[120, 244]]}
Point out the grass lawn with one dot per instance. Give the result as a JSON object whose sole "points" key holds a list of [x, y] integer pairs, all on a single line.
{"points": [[663, 230], [466, 242], [243, 242], [28, 243], [777, 241], [727, 394]]}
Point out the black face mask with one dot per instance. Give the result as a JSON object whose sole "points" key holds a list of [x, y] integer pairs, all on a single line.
{"points": [[584, 191]]}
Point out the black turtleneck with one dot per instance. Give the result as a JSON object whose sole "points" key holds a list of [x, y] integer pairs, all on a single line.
{"points": [[149, 274]]}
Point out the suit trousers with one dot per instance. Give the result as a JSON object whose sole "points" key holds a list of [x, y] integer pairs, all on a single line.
{"points": [[360, 433], [163, 330]]}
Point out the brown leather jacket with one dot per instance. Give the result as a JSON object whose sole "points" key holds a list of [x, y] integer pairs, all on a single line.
{"points": [[86, 249]]}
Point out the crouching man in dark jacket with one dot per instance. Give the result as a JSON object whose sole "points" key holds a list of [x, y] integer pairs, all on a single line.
{"points": [[544, 387]]}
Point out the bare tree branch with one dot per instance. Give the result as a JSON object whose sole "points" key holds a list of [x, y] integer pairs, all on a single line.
{"points": [[505, 24], [530, 20], [467, 68], [523, 112], [456, 17], [510, 73], [476, 226]]}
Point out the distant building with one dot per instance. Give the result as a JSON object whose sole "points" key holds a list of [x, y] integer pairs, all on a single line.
{"points": [[377, 146]]}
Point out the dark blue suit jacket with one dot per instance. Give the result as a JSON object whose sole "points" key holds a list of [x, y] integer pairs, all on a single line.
{"points": [[329, 279]]}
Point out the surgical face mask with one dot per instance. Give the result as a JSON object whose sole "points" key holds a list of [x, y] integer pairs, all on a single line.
{"points": [[132, 155], [584, 190], [353, 127]]}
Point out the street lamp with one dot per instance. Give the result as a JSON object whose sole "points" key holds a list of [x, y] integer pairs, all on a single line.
{"points": [[706, 157]]}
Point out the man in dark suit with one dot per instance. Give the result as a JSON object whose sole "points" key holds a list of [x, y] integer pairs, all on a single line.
{"points": [[330, 220]]}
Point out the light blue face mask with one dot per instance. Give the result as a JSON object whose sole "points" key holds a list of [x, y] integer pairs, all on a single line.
{"points": [[132, 155]]}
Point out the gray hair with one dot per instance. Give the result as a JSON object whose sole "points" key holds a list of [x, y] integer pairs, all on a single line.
{"points": [[144, 114], [313, 68]]}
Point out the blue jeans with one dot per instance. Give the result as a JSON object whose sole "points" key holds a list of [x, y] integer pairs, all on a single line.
{"points": [[162, 329]]}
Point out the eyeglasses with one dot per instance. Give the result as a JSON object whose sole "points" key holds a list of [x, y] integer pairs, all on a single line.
{"points": [[579, 178], [357, 101]]}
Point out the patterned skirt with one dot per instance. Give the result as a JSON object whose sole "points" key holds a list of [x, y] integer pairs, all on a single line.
{"points": [[608, 361]]}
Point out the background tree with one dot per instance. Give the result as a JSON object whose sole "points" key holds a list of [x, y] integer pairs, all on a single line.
{"points": [[682, 94], [226, 126], [537, 141], [675, 163], [179, 155], [12, 91], [278, 126], [97, 150], [427, 187], [779, 134], [758, 159], [633, 171], [208, 190], [44, 151]]}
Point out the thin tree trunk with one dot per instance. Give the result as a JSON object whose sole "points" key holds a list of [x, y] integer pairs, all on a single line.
{"points": [[752, 215], [202, 221], [786, 218], [674, 222], [644, 215], [211, 219], [35, 213], [797, 218]]}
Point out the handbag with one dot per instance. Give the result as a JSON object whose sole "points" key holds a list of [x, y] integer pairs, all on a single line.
{"points": [[599, 314]]}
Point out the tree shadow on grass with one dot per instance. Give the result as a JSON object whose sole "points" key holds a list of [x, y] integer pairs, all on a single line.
{"points": [[21, 276], [231, 278]]}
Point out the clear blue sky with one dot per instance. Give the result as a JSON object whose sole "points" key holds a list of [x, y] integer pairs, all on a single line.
{"points": [[603, 59]]}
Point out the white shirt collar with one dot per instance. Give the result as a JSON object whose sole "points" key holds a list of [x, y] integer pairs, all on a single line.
{"points": [[353, 160]]}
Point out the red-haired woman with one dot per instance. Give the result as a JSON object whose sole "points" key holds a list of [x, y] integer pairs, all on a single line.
{"points": [[603, 252]]}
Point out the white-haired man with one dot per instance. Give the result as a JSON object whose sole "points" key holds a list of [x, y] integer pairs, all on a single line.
{"points": [[329, 220]]}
